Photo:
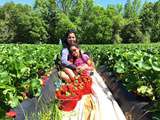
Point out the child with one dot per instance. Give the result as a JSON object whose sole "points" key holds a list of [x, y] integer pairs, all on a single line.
{"points": [[82, 62]]}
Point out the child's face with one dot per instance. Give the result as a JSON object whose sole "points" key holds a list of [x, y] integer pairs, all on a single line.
{"points": [[75, 51]]}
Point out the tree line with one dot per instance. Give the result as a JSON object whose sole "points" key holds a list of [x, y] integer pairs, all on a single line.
{"points": [[47, 20]]}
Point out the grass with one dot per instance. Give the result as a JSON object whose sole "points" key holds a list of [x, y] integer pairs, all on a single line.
{"points": [[49, 112]]}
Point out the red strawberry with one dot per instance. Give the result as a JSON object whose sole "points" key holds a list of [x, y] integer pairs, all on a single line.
{"points": [[64, 88], [68, 80], [72, 79], [58, 94], [70, 87], [79, 79], [11, 114]]}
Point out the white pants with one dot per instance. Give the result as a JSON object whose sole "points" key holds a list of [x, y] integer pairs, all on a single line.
{"points": [[97, 106]]}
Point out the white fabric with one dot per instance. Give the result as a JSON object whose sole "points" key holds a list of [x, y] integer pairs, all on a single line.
{"points": [[104, 106]]}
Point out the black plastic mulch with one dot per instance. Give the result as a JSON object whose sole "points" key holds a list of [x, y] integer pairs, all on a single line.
{"points": [[32, 106]]}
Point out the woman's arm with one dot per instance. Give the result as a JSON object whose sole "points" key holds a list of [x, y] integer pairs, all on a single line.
{"points": [[83, 67], [64, 59]]}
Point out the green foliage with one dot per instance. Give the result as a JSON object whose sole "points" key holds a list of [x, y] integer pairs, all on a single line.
{"points": [[48, 20], [19, 67], [63, 25], [96, 26], [150, 16], [49, 112], [31, 27], [46, 9], [146, 38], [131, 33], [21, 23], [132, 63], [7, 28], [6, 34], [132, 8], [137, 66], [117, 39]]}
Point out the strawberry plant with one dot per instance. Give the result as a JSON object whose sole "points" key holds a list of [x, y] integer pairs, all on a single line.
{"points": [[19, 67]]}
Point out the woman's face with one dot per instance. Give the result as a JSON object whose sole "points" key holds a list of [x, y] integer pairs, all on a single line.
{"points": [[71, 39], [75, 51]]}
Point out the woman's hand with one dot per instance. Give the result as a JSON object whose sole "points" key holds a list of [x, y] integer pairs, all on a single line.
{"points": [[80, 69]]}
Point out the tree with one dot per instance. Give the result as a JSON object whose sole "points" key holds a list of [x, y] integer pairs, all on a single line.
{"points": [[31, 28], [147, 16], [131, 32], [76, 15], [95, 24], [7, 22], [47, 10], [63, 25], [156, 28], [6, 33], [69, 11], [118, 23], [132, 8], [9, 13], [66, 6], [150, 16]]}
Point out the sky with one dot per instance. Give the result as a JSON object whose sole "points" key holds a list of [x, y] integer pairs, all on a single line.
{"points": [[106, 2], [99, 2]]}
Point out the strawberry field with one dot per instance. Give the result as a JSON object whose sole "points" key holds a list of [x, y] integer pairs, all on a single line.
{"points": [[22, 68], [137, 66]]}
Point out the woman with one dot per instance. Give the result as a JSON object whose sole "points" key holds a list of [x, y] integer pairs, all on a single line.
{"points": [[66, 73], [100, 104]]}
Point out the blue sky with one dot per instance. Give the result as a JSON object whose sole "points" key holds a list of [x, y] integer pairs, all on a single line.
{"points": [[99, 2], [106, 2]]}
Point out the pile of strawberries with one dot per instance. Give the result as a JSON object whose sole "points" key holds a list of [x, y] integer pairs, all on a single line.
{"points": [[71, 92]]}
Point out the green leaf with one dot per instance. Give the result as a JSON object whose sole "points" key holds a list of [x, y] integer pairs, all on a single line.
{"points": [[14, 102], [119, 67], [156, 66]]}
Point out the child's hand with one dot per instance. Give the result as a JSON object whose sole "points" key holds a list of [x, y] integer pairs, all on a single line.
{"points": [[79, 69]]}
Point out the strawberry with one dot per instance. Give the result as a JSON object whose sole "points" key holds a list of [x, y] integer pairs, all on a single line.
{"points": [[11, 114], [64, 88], [58, 94], [70, 87]]}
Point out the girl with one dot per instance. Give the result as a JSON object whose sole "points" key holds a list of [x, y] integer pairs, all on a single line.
{"points": [[83, 64], [82, 61]]}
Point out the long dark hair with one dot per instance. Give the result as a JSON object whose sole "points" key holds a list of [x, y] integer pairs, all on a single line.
{"points": [[77, 46], [64, 40]]}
